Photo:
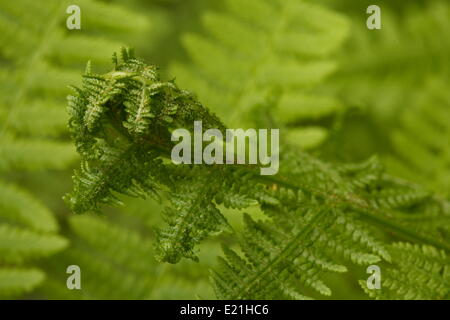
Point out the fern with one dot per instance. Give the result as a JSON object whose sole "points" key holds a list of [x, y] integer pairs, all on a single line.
{"points": [[256, 63], [115, 259], [37, 55], [424, 130], [396, 81], [30, 233], [398, 77], [316, 214], [379, 70], [108, 262], [246, 57], [290, 253], [14, 282], [120, 161]]}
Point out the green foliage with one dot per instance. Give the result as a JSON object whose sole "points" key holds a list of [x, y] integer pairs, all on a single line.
{"points": [[422, 272], [14, 282], [27, 232], [424, 129], [318, 214], [36, 60], [121, 132], [381, 70], [325, 216], [246, 58], [298, 65], [399, 77], [116, 261]]}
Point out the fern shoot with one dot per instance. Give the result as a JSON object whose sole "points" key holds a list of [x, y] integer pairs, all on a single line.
{"points": [[319, 218]]}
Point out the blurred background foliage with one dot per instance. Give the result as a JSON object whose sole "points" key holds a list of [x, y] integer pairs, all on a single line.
{"points": [[311, 68]]}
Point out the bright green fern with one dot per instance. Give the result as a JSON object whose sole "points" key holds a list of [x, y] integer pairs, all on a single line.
{"points": [[28, 231], [254, 69], [38, 55], [424, 130], [381, 70], [319, 218]]}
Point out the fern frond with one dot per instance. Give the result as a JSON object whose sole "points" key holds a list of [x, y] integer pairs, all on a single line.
{"points": [[34, 154], [25, 120], [380, 71], [124, 159], [17, 245], [20, 207], [116, 263], [192, 217], [258, 49], [419, 272], [424, 130], [38, 54], [318, 214], [268, 253], [39, 57], [113, 241], [27, 233], [343, 198], [15, 282], [109, 256]]}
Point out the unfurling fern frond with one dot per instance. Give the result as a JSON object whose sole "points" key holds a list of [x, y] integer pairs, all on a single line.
{"points": [[122, 150], [256, 50], [319, 217]]}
